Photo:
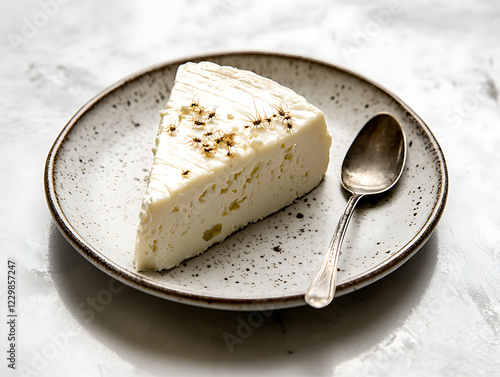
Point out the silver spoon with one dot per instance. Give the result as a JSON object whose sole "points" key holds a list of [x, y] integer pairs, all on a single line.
{"points": [[372, 165]]}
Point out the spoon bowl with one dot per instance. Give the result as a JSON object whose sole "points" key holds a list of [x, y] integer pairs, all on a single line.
{"points": [[373, 164], [375, 160]]}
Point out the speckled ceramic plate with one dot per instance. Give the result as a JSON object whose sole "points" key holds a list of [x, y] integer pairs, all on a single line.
{"points": [[94, 182]]}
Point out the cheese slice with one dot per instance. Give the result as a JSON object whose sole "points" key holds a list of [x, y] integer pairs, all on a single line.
{"points": [[232, 147]]}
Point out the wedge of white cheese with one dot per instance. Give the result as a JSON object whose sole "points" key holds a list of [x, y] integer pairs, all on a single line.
{"points": [[232, 148]]}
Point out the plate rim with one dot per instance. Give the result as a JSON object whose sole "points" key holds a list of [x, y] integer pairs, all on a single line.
{"points": [[148, 285]]}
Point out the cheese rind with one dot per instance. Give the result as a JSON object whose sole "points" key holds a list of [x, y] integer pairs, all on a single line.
{"points": [[195, 197]]}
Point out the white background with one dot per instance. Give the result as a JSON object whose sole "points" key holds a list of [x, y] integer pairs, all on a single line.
{"points": [[438, 315]]}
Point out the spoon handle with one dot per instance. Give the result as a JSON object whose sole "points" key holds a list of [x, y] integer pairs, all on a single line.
{"points": [[322, 289]]}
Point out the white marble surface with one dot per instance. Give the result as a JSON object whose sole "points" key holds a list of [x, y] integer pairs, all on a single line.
{"points": [[438, 315]]}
